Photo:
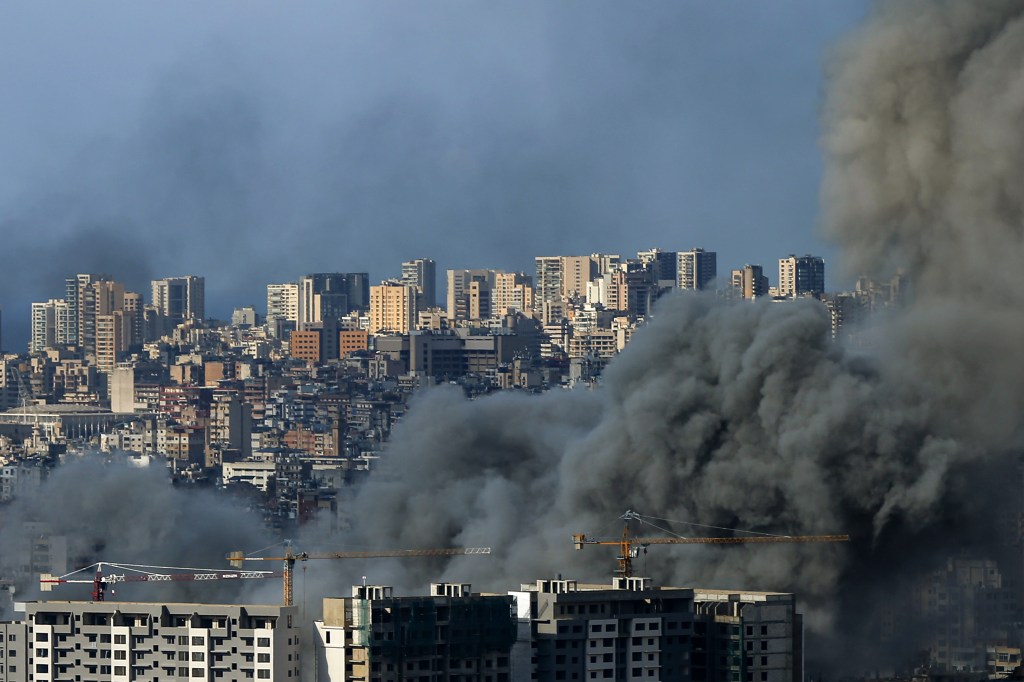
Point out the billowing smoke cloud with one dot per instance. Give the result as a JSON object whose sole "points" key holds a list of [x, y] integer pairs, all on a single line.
{"points": [[107, 510], [747, 416]]}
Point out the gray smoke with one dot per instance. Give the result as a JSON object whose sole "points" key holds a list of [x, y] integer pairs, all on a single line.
{"points": [[747, 415], [108, 510]]}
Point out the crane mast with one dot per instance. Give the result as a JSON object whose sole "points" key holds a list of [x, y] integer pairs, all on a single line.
{"points": [[629, 545]]}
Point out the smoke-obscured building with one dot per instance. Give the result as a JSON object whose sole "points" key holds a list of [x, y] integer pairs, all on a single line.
{"points": [[696, 269], [450, 635], [633, 631], [801, 275], [750, 282]]}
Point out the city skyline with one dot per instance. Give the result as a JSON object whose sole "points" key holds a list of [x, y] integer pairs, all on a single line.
{"points": [[223, 149]]}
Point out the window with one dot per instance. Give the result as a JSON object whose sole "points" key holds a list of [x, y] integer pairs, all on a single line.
{"points": [[641, 626], [42, 668], [198, 656], [41, 637], [262, 641], [120, 670], [263, 674], [609, 627], [764, 645], [197, 641], [120, 654], [197, 672], [182, 641], [263, 658], [120, 639], [764, 629]]}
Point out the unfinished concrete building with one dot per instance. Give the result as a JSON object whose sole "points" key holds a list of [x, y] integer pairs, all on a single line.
{"points": [[632, 631], [451, 635]]}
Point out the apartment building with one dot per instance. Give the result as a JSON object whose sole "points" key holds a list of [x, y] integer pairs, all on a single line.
{"points": [[146, 642], [632, 631], [452, 635]]}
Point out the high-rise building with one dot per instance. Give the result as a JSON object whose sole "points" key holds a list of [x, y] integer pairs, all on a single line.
{"points": [[146, 642], [577, 271], [180, 298], [51, 325], [460, 287], [329, 296], [750, 282], [663, 264], [634, 631], [548, 284], [801, 275], [283, 302], [392, 308], [450, 635], [696, 269], [512, 291], [74, 294], [99, 297], [113, 338], [422, 274]]}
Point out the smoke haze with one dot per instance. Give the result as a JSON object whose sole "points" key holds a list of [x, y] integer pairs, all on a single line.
{"points": [[253, 143], [748, 415]]}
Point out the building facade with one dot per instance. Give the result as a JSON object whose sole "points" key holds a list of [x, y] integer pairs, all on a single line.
{"points": [[801, 275], [422, 274], [392, 308], [452, 635], [696, 269], [180, 298], [146, 642]]}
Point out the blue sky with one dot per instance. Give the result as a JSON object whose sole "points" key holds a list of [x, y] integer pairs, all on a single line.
{"points": [[252, 142]]}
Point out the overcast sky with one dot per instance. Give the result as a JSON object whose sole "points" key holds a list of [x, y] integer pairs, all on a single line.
{"points": [[252, 142]]}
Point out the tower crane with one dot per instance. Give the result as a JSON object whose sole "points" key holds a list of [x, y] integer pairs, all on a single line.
{"points": [[237, 559], [139, 573], [629, 546]]}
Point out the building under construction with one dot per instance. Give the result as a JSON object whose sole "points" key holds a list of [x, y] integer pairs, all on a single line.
{"points": [[451, 635]]}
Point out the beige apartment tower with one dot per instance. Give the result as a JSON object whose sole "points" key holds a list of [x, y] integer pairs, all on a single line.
{"points": [[392, 308]]}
